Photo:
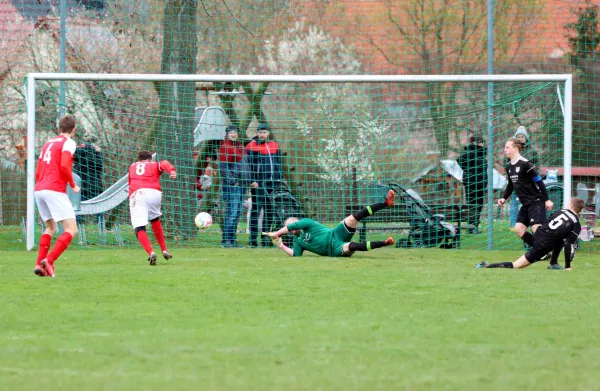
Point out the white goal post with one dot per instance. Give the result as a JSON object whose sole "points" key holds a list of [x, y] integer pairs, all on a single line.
{"points": [[567, 106]]}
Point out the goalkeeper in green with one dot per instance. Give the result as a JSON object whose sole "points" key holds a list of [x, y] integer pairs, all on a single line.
{"points": [[329, 242]]}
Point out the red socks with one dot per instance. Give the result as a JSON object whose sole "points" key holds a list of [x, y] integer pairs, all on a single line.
{"points": [[45, 241], [61, 245], [144, 241], [159, 235]]}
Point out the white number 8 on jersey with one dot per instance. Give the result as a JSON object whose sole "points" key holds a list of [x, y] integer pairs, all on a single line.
{"points": [[140, 168]]}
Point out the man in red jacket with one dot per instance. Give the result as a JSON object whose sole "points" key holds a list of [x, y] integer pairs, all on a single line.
{"points": [[232, 184], [54, 172], [145, 197]]}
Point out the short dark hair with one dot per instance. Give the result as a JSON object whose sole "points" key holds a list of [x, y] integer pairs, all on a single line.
{"points": [[517, 143], [578, 204], [475, 138], [66, 124], [144, 155]]}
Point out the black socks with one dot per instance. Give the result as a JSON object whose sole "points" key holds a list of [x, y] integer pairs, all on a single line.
{"points": [[502, 265], [527, 238], [368, 211], [368, 246]]}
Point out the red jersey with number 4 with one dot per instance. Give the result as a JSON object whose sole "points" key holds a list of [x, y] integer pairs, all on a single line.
{"points": [[146, 175], [51, 174]]}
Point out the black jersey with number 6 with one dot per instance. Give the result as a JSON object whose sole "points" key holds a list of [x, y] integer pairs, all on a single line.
{"points": [[563, 224]]}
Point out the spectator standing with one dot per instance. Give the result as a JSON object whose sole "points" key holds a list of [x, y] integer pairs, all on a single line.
{"points": [[89, 165], [204, 183], [473, 162], [263, 159], [231, 154]]}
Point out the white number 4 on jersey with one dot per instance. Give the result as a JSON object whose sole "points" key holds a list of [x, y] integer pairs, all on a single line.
{"points": [[48, 155]]}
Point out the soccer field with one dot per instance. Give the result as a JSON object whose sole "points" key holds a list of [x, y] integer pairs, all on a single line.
{"points": [[218, 319]]}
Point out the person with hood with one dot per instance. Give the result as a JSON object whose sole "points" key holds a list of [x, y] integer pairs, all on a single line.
{"points": [[529, 153], [263, 160], [231, 154], [88, 163], [473, 162]]}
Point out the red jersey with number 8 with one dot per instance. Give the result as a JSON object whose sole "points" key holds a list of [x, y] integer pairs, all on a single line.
{"points": [[49, 174], [146, 175]]}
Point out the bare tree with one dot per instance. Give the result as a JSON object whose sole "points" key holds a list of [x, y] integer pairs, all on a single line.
{"points": [[444, 37]]}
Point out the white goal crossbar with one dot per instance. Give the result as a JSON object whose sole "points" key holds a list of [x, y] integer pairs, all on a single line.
{"points": [[567, 79]]}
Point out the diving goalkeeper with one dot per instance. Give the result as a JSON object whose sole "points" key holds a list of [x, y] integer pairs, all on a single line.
{"points": [[329, 242]]}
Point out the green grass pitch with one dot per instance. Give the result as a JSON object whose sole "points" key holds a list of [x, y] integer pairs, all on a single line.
{"points": [[217, 319]]}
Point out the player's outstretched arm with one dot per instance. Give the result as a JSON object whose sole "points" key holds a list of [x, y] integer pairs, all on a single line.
{"points": [[279, 243], [66, 168], [277, 234], [166, 166], [570, 242]]}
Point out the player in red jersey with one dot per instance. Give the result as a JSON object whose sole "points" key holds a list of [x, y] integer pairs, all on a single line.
{"points": [[145, 196], [54, 172]]}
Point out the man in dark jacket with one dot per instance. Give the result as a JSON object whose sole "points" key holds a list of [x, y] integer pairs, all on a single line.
{"points": [[473, 162], [89, 165], [263, 161]]}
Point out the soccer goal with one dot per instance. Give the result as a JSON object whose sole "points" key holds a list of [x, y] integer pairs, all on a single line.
{"points": [[337, 139]]}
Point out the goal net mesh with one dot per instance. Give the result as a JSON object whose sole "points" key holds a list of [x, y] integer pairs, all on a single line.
{"points": [[332, 148]]}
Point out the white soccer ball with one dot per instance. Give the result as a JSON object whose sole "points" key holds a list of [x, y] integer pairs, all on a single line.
{"points": [[203, 220]]}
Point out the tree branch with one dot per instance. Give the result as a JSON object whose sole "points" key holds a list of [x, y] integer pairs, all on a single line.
{"points": [[239, 22]]}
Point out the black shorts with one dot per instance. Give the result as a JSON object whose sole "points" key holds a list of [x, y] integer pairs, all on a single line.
{"points": [[532, 214], [539, 249]]}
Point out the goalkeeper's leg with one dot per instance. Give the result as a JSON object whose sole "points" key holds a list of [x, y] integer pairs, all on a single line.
{"points": [[352, 220], [366, 246]]}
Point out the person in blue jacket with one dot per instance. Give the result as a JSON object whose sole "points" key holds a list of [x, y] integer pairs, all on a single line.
{"points": [[264, 168]]}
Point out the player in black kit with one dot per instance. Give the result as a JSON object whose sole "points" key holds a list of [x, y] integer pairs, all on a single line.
{"points": [[561, 230], [524, 180]]}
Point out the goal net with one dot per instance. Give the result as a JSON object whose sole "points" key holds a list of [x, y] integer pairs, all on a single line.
{"points": [[335, 144]]}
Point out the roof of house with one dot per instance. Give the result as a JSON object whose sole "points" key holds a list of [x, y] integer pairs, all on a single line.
{"points": [[33, 9], [541, 34]]}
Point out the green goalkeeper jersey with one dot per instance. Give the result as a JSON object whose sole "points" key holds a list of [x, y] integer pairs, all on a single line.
{"points": [[316, 238]]}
